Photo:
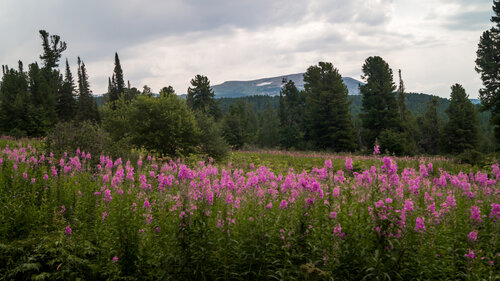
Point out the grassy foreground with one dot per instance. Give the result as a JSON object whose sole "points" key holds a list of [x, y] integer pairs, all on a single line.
{"points": [[263, 216]]}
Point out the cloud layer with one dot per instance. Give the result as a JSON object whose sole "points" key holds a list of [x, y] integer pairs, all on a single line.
{"points": [[168, 42]]}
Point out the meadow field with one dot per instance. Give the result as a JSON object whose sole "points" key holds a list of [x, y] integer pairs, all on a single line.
{"points": [[259, 215]]}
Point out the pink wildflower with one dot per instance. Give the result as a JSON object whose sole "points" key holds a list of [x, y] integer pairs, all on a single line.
{"points": [[283, 204], [470, 255], [420, 225], [472, 236], [67, 230]]}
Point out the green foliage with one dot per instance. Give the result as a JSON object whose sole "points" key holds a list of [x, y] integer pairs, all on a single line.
{"points": [[268, 133], [212, 143], [85, 136], [487, 64], [240, 125], [164, 125], [393, 142], [66, 102], [471, 156], [201, 97], [86, 106], [430, 128], [329, 124], [380, 109], [461, 131], [291, 116]]}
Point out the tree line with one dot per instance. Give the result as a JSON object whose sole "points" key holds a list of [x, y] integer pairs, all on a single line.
{"points": [[319, 117]]}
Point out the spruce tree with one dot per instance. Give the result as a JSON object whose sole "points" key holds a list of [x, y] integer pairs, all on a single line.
{"points": [[327, 107], [408, 124], [290, 113], [87, 106], [66, 103], [488, 65], [431, 128], [380, 110], [200, 97], [462, 129]]}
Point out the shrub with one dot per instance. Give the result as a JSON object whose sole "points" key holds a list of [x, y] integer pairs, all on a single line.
{"points": [[471, 156]]}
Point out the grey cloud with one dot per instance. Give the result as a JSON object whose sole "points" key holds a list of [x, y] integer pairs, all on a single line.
{"points": [[473, 20]]}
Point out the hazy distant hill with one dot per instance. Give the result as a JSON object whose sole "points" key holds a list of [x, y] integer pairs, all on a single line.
{"points": [[269, 86]]}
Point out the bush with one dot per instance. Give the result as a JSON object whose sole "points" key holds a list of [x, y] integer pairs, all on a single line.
{"points": [[211, 141], [393, 142], [471, 156], [163, 125]]}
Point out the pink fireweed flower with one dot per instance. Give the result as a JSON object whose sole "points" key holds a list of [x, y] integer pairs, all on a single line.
{"points": [[333, 215], [420, 225], [107, 195], [146, 204], [495, 212], [104, 214], [45, 177], [376, 150], [472, 236], [114, 259], [475, 214], [408, 207], [470, 255], [388, 200], [269, 206], [67, 230], [283, 204], [25, 175], [337, 230], [328, 164], [348, 164], [33, 180], [63, 209]]}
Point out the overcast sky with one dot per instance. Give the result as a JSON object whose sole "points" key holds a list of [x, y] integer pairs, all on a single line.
{"points": [[168, 42]]}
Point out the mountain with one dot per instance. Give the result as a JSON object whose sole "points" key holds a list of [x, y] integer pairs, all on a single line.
{"points": [[270, 86]]}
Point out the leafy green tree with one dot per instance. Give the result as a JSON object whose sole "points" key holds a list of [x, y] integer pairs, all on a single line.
{"points": [[291, 111], [86, 105], [164, 124], [212, 142], [431, 128], [461, 131], [379, 106], [200, 97], [488, 65], [327, 109], [66, 102]]}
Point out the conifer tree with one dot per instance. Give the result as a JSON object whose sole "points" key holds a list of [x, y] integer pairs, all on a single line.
{"points": [[488, 65], [408, 124], [66, 103], [116, 85], [379, 106], [200, 97], [87, 106], [462, 129], [329, 118], [431, 128], [291, 111]]}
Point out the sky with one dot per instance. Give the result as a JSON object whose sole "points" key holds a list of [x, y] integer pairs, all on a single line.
{"points": [[168, 42]]}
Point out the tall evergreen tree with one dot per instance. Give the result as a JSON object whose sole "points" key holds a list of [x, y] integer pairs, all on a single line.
{"points": [[116, 85], [328, 114], [431, 128], [290, 112], [379, 106], [200, 97], [268, 135], [488, 65], [167, 91], [87, 106], [66, 103], [462, 129], [408, 124]]}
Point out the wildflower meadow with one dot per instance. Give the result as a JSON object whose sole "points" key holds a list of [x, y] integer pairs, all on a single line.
{"points": [[79, 216]]}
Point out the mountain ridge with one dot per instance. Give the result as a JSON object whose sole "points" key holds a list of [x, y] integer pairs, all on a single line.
{"points": [[270, 86]]}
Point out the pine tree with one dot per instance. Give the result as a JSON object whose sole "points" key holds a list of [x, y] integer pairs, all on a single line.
{"points": [[290, 113], [200, 97], [66, 103], [408, 124], [87, 106], [462, 129], [327, 108], [116, 85], [379, 106], [431, 128], [167, 91], [488, 65]]}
